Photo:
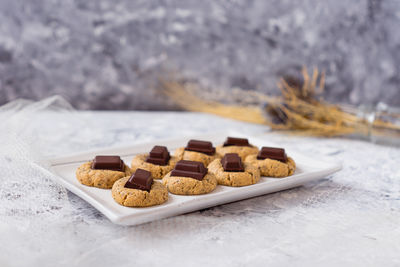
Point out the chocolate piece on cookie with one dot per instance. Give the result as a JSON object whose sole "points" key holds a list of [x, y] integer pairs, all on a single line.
{"points": [[113, 163], [231, 162], [159, 155], [276, 165], [102, 172], [200, 146], [227, 171], [188, 168], [159, 162], [272, 153], [234, 141], [141, 180], [190, 178], [156, 194]]}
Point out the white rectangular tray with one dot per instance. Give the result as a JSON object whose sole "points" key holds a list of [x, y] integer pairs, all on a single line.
{"points": [[307, 169]]}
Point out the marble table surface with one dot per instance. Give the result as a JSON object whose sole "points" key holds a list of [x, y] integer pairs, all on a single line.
{"points": [[351, 218]]}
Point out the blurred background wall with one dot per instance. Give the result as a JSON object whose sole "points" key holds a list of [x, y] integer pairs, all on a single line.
{"points": [[106, 54]]}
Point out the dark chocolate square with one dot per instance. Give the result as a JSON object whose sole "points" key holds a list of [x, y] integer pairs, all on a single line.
{"points": [[272, 153], [159, 155], [141, 180], [231, 162], [188, 168], [113, 163], [200, 146], [234, 141]]}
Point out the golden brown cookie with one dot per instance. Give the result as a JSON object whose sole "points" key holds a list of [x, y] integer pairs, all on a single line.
{"points": [[129, 197], [189, 186], [99, 178], [251, 174], [272, 168], [157, 171], [242, 151], [181, 153]]}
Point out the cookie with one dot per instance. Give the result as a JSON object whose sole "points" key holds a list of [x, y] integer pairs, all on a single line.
{"points": [[272, 168], [181, 153], [189, 186], [157, 171], [242, 151], [129, 197], [99, 178], [249, 176]]}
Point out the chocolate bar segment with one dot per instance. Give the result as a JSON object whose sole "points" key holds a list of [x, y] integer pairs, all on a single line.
{"points": [[272, 153], [159, 155], [231, 162], [113, 163], [188, 168], [200, 146], [141, 180], [233, 141]]}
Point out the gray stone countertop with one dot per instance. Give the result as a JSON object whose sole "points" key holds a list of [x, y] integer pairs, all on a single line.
{"points": [[351, 218]]}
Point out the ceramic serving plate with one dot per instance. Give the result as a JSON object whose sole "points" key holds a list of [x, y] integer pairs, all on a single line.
{"points": [[308, 169]]}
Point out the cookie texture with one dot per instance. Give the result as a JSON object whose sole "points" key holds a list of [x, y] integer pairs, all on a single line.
{"points": [[129, 197], [242, 151], [157, 171], [181, 153], [251, 174], [272, 168], [189, 186], [99, 178]]}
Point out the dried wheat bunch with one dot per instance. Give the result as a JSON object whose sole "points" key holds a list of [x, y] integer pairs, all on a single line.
{"points": [[299, 109]]}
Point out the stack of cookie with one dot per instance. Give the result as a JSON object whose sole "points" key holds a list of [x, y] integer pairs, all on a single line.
{"points": [[193, 170]]}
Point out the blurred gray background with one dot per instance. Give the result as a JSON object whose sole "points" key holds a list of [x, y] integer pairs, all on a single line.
{"points": [[107, 54]]}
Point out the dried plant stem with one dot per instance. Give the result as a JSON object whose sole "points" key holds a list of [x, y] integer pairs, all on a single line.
{"points": [[190, 102], [299, 110]]}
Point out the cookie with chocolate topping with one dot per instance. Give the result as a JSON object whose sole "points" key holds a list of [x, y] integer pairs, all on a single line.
{"points": [[139, 190], [102, 171], [158, 161], [272, 162], [190, 178], [231, 171]]}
